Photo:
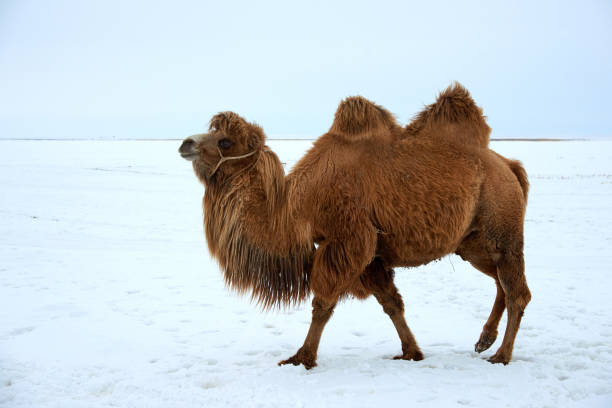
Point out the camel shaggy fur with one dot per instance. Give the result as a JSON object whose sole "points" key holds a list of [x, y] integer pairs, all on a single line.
{"points": [[368, 196]]}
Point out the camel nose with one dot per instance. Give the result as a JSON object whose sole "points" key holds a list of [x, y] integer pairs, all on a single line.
{"points": [[187, 145], [188, 149]]}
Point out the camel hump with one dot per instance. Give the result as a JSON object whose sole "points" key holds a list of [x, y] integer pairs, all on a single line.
{"points": [[455, 104], [454, 116], [359, 117], [520, 173]]}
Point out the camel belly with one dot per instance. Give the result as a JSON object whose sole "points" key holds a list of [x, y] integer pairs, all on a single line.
{"points": [[427, 224], [396, 250]]}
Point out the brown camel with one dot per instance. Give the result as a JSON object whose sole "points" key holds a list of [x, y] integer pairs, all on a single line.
{"points": [[367, 197]]}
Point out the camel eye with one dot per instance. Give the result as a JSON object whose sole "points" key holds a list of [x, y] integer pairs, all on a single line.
{"points": [[225, 143]]}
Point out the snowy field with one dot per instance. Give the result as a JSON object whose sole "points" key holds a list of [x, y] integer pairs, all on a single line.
{"points": [[109, 298]]}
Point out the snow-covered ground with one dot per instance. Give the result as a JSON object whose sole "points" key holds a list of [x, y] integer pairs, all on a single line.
{"points": [[108, 296]]}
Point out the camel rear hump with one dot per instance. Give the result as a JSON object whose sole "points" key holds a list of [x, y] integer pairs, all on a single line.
{"points": [[454, 117]]}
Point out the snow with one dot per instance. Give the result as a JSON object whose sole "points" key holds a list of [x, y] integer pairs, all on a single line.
{"points": [[108, 296]]}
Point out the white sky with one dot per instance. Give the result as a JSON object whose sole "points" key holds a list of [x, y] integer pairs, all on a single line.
{"points": [[142, 69]]}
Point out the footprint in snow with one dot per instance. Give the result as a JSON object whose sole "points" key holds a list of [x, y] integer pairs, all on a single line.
{"points": [[440, 345], [214, 383], [246, 363]]}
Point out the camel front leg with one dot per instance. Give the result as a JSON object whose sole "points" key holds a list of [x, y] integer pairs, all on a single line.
{"points": [[307, 354], [336, 264]]}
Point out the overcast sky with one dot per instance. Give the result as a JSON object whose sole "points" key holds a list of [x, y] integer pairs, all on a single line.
{"points": [[143, 69]]}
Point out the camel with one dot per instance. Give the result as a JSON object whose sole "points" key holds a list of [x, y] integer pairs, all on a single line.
{"points": [[369, 196]]}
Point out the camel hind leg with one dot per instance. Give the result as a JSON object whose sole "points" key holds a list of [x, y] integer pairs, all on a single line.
{"points": [[489, 331], [507, 268], [474, 250], [511, 274]]}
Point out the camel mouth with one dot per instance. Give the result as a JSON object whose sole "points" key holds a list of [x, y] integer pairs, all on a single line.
{"points": [[189, 156], [189, 150]]}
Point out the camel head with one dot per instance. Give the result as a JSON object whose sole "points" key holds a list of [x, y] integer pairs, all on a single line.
{"points": [[230, 145]]}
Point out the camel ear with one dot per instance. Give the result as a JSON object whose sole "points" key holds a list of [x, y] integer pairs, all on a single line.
{"points": [[229, 122], [256, 138], [222, 121]]}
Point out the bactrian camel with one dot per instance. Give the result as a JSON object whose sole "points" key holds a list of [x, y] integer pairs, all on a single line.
{"points": [[368, 196]]}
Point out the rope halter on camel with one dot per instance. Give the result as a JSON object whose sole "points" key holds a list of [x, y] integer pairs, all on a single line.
{"points": [[224, 159]]}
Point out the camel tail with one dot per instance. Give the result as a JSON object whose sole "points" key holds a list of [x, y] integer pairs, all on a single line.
{"points": [[358, 117], [520, 173], [453, 117]]}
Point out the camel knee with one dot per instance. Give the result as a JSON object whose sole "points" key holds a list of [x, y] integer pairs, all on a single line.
{"points": [[511, 274], [392, 304], [519, 299], [394, 308], [525, 298], [322, 309]]}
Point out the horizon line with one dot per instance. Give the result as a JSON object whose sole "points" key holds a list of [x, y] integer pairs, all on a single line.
{"points": [[493, 139]]}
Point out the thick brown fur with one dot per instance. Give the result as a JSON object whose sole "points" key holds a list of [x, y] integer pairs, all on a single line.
{"points": [[372, 195]]}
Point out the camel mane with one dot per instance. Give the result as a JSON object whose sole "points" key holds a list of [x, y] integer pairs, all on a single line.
{"points": [[253, 233], [453, 117]]}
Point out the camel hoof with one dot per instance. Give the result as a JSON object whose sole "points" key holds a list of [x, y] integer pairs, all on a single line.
{"points": [[499, 358], [486, 340], [415, 355], [302, 358]]}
